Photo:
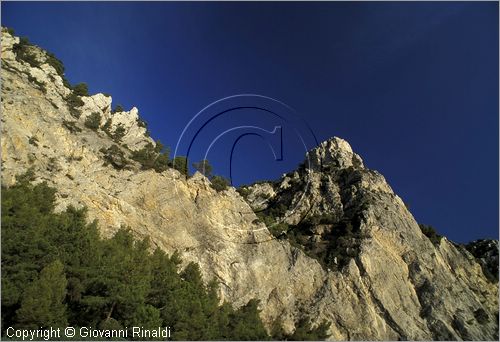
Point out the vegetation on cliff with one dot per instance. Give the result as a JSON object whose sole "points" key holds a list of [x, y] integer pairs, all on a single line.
{"points": [[431, 233], [57, 271]]}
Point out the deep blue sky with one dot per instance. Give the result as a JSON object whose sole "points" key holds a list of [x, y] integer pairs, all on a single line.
{"points": [[412, 86]]}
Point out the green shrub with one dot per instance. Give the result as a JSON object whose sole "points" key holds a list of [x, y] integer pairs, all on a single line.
{"points": [[93, 121], [204, 168], [24, 41], [151, 157], [158, 146], [431, 233], [81, 89], [10, 30], [304, 331], [117, 109], [244, 192], [107, 127], [38, 83], [180, 163], [66, 82], [43, 300], [337, 244], [325, 218], [142, 123], [57, 65], [276, 210], [146, 156], [118, 133], [162, 162], [71, 126], [219, 183], [24, 52], [114, 155], [276, 227], [74, 101]]}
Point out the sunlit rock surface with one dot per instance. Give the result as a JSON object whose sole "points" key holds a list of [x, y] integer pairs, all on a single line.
{"points": [[398, 285]]}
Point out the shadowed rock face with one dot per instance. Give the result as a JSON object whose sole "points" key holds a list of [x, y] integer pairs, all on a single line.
{"points": [[393, 283], [486, 253]]}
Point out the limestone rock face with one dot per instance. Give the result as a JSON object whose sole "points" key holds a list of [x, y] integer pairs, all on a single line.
{"points": [[395, 283], [134, 137], [336, 152]]}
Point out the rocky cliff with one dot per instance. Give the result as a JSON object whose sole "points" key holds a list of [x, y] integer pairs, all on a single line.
{"points": [[329, 241]]}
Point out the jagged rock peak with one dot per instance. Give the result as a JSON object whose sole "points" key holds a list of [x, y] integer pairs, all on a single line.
{"points": [[334, 152], [46, 72]]}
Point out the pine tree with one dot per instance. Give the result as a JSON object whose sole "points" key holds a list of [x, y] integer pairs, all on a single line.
{"points": [[204, 168], [81, 89], [246, 323], [42, 304], [180, 163], [219, 183], [304, 331]]}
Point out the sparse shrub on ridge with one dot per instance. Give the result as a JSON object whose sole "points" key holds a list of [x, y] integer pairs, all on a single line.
{"points": [[244, 192], [118, 108], [431, 233], [114, 155], [24, 53], [180, 163], [203, 167], [71, 126], [38, 83], [74, 101], [340, 241], [57, 65], [146, 156], [107, 127], [93, 121], [118, 133], [162, 162], [152, 157], [142, 123], [81, 89], [304, 331], [219, 183], [74, 98], [10, 30]]}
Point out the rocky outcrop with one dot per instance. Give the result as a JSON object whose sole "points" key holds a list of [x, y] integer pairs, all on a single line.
{"points": [[392, 283], [486, 253]]}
